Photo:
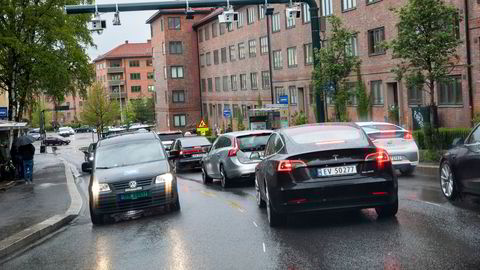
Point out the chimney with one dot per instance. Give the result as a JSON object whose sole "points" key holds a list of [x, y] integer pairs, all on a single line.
{"points": [[126, 41]]}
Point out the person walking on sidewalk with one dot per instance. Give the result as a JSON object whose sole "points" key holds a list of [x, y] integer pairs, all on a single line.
{"points": [[27, 152]]}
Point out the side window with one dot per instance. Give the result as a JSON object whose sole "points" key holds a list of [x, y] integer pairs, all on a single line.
{"points": [[228, 142], [278, 144], [269, 149], [475, 137], [216, 143]]}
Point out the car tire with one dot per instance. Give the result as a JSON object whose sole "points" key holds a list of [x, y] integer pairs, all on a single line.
{"points": [[258, 195], [275, 219], [177, 166], [386, 211], [447, 181], [175, 206], [97, 219], [407, 171], [205, 178], [225, 181]]}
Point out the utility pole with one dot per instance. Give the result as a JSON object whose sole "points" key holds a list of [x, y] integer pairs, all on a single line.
{"points": [[269, 13]]}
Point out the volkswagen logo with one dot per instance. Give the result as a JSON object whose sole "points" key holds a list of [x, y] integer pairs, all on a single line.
{"points": [[132, 184]]}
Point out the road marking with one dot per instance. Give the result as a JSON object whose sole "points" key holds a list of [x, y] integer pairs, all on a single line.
{"points": [[264, 250], [255, 224], [436, 204], [209, 194], [236, 205]]}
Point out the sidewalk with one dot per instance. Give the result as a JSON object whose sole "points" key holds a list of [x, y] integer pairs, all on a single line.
{"points": [[24, 206]]}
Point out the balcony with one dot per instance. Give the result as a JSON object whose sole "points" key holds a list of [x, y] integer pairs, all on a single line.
{"points": [[115, 70], [116, 95], [116, 82]]}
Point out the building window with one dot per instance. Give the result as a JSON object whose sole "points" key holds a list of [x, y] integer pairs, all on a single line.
{"points": [[210, 85], [134, 63], [308, 53], [203, 85], [151, 88], [204, 109], [202, 60], [236, 110], [217, 84], [230, 27], [250, 15], [241, 50], [349, 4], [240, 19], [164, 72], [376, 92], [261, 12], [175, 47], [352, 97], [233, 82], [134, 76], [351, 47], [200, 35], [161, 24], [276, 22], [265, 79], [163, 48], [263, 45], [215, 57], [292, 57], [149, 63], [293, 94], [243, 81], [178, 96], [136, 88], [290, 21], [277, 59], [179, 120], [375, 39], [174, 23], [214, 29], [222, 28], [327, 8], [210, 111], [176, 72], [223, 55], [253, 80], [306, 13], [415, 95], [208, 59], [372, 1], [450, 92], [116, 77], [252, 48], [279, 91], [150, 75], [225, 83], [232, 52]]}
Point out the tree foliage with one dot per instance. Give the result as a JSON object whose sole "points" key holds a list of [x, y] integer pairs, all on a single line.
{"points": [[36, 116], [144, 110], [363, 98], [335, 63], [99, 110], [42, 50]]}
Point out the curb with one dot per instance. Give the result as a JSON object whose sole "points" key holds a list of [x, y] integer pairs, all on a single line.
{"points": [[427, 170], [28, 236]]}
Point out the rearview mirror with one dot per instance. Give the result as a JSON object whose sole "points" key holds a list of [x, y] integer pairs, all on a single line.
{"points": [[87, 167], [458, 142]]}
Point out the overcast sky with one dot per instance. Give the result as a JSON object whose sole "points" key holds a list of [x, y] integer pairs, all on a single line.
{"points": [[133, 28]]}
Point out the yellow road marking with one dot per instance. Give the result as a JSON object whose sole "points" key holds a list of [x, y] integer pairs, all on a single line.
{"points": [[209, 194]]}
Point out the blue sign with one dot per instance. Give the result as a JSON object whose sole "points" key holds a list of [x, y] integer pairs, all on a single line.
{"points": [[283, 99], [3, 112], [227, 113]]}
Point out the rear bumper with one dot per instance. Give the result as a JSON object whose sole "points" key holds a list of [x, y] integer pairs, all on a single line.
{"points": [[240, 171], [191, 162], [335, 195], [409, 158]]}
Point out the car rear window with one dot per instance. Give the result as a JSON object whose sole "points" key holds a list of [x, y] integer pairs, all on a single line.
{"points": [[170, 137], [195, 141], [386, 135], [381, 127], [327, 135], [254, 142]]}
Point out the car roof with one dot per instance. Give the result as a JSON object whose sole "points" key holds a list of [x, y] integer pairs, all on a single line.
{"points": [[127, 137], [247, 132], [169, 132]]}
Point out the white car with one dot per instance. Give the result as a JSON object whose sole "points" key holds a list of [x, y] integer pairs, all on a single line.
{"points": [[66, 131], [398, 142]]}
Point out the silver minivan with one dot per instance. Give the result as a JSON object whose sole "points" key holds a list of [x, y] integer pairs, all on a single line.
{"points": [[234, 156]]}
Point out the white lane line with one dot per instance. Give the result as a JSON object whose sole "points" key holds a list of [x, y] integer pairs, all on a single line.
{"points": [[241, 210], [264, 250], [255, 224], [436, 204]]}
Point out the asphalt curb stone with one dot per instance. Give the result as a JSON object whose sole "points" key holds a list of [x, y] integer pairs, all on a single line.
{"points": [[30, 235]]}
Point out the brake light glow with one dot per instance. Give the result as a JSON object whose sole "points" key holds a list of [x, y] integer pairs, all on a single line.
{"points": [[233, 152], [290, 165], [408, 136], [381, 156], [380, 193], [298, 201]]}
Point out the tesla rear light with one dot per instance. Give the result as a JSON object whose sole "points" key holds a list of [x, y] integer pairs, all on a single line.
{"points": [[408, 136], [381, 156], [290, 165]]}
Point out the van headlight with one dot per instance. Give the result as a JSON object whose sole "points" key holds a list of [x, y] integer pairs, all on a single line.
{"points": [[100, 187], [164, 178]]}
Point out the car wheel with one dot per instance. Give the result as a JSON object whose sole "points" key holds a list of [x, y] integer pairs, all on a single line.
{"points": [[258, 195], [205, 178], [224, 180], [177, 166], [176, 205], [274, 219], [97, 219], [389, 210], [447, 181], [407, 171]]}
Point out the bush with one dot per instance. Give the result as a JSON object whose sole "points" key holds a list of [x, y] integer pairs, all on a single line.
{"points": [[442, 139], [430, 155]]}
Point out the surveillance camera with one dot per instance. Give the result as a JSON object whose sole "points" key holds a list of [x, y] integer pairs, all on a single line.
{"points": [[189, 13], [228, 16], [97, 24], [293, 11]]}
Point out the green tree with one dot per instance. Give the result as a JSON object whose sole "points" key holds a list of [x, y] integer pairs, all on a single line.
{"points": [[36, 116], [259, 101], [129, 114], [426, 44], [335, 63], [99, 110], [42, 50], [240, 125], [144, 110], [363, 98]]}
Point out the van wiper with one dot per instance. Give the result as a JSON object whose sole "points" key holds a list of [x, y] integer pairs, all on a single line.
{"points": [[103, 167]]}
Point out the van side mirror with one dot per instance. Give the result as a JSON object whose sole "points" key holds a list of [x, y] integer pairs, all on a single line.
{"points": [[87, 167]]}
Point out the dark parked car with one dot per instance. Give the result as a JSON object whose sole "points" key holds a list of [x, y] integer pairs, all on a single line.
{"points": [[168, 137], [459, 167], [55, 141], [234, 156], [84, 130], [324, 167], [187, 152], [138, 180]]}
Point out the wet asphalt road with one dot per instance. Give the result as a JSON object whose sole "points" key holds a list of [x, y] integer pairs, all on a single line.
{"points": [[224, 229]]}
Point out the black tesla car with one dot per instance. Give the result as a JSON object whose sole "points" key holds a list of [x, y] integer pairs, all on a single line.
{"points": [[55, 141], [187, 152], [459, 167], [331, 166], [130, 172]]}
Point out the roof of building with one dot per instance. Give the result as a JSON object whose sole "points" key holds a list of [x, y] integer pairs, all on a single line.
{"points": [[210, 17], [128, 50], [180, 11]]}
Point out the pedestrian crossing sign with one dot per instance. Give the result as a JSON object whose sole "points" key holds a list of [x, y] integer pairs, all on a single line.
{"points": [[202, 128]]}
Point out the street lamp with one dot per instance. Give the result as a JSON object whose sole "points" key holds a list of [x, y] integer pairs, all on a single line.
{"points": [[269, 13]]}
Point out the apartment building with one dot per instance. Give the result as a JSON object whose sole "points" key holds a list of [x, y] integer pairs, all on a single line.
{"points": [[127, 71]]}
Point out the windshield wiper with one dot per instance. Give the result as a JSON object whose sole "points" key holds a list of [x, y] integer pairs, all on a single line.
{"points": [[103, 167]]}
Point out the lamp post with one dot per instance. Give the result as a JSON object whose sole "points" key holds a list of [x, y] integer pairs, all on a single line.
{"points": [[269, 13]]}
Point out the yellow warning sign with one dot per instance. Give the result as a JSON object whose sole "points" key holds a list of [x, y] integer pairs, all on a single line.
{"points": [[202, 128], [202, 124]]}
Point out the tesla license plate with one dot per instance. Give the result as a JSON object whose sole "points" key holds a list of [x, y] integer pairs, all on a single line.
{"points": [[336, 171], [134, 195], [397, 158]]}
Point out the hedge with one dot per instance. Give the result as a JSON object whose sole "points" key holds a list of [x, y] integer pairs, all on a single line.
{"points": [[444, 137]]}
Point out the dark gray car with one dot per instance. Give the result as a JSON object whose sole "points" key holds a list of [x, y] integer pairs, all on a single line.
{"points": [[234, 156], [130, 172]]}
